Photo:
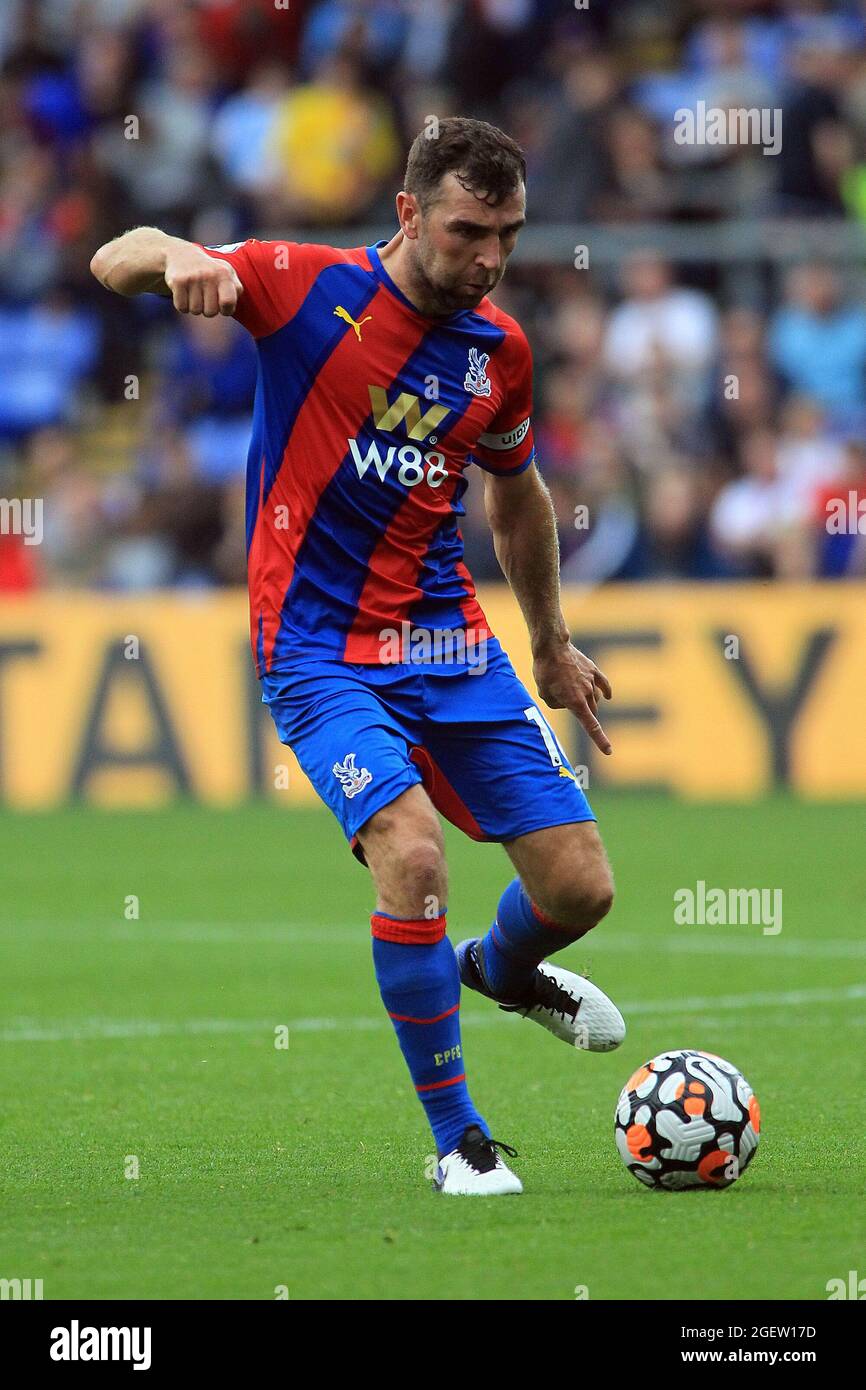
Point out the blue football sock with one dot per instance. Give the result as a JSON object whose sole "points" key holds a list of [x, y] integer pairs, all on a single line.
{"points": [[418, 979], [520, 938]]}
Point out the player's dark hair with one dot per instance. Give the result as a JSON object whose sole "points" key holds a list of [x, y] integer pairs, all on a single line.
{"points": [[483, 157]]}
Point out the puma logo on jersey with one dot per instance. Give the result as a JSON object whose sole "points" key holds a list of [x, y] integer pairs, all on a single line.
{"points": [[344, 314]]}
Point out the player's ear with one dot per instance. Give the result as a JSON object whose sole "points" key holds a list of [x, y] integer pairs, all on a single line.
{"points": [[408, 214]]}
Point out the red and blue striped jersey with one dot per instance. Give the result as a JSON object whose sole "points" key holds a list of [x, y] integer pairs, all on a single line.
{"points": [[366, 416]]}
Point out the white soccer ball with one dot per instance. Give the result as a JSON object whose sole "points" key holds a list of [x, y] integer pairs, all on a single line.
{"points": [[687, 1119]]}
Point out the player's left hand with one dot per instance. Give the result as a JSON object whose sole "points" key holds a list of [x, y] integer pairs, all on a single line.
{"points": [[567, 679]]}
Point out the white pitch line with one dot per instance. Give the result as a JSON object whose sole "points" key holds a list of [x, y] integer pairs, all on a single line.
{"points": [[769, 947], [90, 1029], [607, 939], [87, 1029], [27, 1030], [784, 998]]}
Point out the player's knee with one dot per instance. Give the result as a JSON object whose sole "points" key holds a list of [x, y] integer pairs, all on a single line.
{"points": [[419, 865], [580, 903], [601, 897]]}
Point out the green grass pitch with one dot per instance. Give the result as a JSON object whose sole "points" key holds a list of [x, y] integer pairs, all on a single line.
{"points": [[152, 1042]]}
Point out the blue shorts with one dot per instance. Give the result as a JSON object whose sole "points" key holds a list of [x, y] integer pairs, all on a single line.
{"points": [[475, 739]]}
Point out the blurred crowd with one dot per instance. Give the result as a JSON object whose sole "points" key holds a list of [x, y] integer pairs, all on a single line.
{"points": [[687, 427]]}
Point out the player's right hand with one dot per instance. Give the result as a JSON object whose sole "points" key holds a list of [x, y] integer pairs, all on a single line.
{"points": [[201, 284]]}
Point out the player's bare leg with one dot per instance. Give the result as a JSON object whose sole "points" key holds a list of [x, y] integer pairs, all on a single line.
{"points": [[565, 871], [418, 979], [565, 887], [405, 852]]}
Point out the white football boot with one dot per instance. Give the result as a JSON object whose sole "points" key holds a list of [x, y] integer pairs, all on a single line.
{"points": [[568, 1005], [475, 1168]]}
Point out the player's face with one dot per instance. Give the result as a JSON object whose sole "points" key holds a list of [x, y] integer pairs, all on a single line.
{"points": [[463, 244]]}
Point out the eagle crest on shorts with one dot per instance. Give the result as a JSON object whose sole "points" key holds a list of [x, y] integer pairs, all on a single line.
{"points": [[352, 779]]}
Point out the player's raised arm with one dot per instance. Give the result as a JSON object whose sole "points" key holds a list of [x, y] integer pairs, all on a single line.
{"points": [[149, 261]]}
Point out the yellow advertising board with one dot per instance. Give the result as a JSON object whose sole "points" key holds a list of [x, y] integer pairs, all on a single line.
{"points": [[722, 692]]}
